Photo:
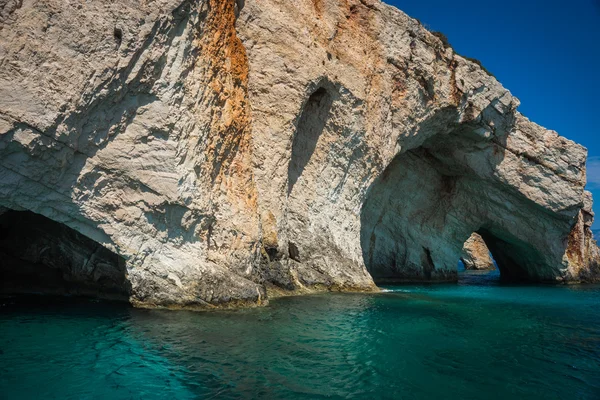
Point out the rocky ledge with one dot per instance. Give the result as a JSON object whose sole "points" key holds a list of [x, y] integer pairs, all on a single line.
{"points": [[215, 152]]}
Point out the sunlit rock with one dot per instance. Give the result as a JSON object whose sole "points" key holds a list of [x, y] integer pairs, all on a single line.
{"points": [[227, 150], [476, 255]]}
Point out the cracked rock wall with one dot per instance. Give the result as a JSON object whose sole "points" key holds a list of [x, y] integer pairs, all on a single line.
{"points": [[229, 150]]}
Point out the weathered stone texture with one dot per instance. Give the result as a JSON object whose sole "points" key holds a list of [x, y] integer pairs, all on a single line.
{"points": [[226, 149], [476, 255]]}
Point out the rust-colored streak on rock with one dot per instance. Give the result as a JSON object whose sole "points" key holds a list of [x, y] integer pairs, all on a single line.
{"points": [[575, 244], [318, 6], [229, 149], [366, 54], [455, 95]]}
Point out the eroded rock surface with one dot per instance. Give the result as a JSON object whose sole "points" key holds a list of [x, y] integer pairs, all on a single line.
{"points": [[476, 255], [230, 149]]}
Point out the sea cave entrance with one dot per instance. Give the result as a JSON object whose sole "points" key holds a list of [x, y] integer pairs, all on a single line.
{"points": [[428, 201], [42, 256]]}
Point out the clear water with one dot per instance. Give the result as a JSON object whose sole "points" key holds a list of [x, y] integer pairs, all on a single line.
{"points": [[478, 339]]}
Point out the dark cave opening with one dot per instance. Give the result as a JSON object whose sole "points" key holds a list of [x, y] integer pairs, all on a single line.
{"points": [[499, 257], [510, 256], [42, 256]]}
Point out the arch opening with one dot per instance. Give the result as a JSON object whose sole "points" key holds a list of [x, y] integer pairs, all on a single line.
{"points": [[516, 260], [428, 201], [42, 256]]}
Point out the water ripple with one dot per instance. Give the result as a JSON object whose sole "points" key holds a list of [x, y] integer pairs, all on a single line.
{"points": [[475, 340]]}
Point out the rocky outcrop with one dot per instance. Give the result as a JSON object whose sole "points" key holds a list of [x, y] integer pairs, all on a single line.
{"points": [[228, 150], [476, 255]]}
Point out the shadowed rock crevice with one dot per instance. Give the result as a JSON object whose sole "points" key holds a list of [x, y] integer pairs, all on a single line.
{"points": [[38, 255], [310, 127]]}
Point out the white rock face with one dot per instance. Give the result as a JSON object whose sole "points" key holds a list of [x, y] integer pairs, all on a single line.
{"points": [[231, 149]]}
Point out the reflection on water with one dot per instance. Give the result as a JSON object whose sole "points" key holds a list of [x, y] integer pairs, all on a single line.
{"points": [[477, 339]]}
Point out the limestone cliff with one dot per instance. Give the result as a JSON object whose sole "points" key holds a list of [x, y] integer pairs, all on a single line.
{"points": [[228, 149]]}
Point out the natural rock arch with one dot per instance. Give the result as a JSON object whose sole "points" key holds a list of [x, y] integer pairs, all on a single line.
{"points": [[429, 200], [38, 255]]}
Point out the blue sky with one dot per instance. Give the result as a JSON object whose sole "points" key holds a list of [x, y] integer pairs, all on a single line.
{"points": [[547, 53]]}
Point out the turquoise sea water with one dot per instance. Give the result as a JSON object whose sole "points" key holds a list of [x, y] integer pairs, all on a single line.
{"points": [[477, 339]]}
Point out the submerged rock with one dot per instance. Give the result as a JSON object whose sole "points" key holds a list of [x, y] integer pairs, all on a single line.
{"points": [[228, 149], [476, 255]]}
